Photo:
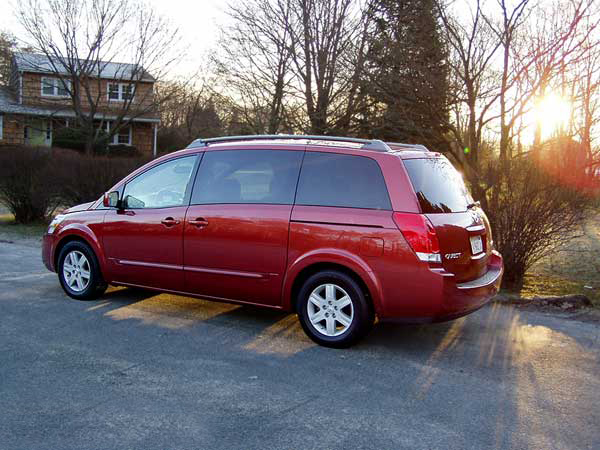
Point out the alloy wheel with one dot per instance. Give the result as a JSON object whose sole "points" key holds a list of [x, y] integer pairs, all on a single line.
{"points": [[76, 271], [330, 309]]}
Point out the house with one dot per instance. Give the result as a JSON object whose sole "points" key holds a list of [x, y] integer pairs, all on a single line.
{"points": [[37, 102]]}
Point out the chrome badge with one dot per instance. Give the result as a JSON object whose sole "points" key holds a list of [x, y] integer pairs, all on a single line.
{"points": [[452, 255]]}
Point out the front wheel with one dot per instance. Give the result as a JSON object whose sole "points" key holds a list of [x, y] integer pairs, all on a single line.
{"points": [[79, 272], [333, 310]]}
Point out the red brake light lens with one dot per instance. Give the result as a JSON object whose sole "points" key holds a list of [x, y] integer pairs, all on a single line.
{"points": [[420, 235]]}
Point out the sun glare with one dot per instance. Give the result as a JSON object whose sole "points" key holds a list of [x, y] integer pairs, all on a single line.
{"points": [[552, 112]]}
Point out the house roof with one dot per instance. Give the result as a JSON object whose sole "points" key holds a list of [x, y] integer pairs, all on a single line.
{"points": [[34, 62], [10, 105]]}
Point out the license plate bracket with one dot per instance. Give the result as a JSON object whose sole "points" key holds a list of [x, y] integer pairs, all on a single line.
{"points": [[476, 245]]}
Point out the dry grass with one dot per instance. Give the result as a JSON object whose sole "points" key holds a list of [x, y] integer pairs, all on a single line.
{"points": [[12, 231], [570, 269]]}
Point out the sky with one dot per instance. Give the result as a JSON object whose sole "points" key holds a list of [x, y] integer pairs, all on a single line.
{"points": [[198, 22]]}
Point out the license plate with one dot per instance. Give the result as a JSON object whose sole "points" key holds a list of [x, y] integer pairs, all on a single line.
{"points": [[476, 244]]}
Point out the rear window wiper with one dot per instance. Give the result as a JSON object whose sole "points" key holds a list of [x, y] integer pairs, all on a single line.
{"points": [[474, 205]]}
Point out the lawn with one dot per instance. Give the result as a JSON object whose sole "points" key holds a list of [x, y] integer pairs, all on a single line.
{"points": [[11, 231], [573, 269]]}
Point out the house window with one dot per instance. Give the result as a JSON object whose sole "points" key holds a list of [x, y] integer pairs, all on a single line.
{"points": [[55, 87], [120, 92], [113, 91], [123, 136]]}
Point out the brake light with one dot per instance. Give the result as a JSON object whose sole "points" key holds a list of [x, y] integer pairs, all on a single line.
{"points": [[420, 235]]}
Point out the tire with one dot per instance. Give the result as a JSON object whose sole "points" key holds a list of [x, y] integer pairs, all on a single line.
{"points": [[334, 298], [79, 272]]}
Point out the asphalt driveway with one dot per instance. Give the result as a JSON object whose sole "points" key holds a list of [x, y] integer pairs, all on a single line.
{"points": [[141, 370]]}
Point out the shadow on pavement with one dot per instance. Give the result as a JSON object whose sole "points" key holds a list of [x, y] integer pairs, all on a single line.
{"points": [[512, 359], [497, 330]]}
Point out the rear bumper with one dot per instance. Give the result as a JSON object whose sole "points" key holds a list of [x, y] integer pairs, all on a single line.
{"points": [[446, 299], [463, 298]]}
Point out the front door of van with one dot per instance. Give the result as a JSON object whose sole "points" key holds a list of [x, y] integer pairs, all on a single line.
{"points": [[143, 240], [237, 225]]}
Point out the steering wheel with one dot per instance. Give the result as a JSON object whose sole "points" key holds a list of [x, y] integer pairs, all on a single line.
{"points": [[167, 197]]}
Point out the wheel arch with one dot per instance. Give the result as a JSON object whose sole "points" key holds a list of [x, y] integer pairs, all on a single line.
{"points": [[72, 234], [301, 271]]}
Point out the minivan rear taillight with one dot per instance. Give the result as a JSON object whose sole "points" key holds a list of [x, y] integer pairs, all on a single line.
{"points": [[420, 234]]}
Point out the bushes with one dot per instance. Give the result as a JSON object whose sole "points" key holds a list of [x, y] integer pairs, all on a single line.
{"points": [[123, 151], [533, 211], [35, 181], [75, 139], [26, 183], [81, 178]]}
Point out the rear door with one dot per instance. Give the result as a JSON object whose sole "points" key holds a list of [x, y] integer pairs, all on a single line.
{"points": [[236, 228], [462, 228]]}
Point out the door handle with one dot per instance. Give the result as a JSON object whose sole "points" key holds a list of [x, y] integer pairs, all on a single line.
{"points": [[169, 222], [199, 222]]}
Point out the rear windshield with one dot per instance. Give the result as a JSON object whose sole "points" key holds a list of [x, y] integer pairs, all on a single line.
{"points": [[438, 185]]}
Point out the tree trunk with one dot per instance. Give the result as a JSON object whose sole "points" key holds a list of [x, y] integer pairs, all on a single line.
{"points": [[503, 126]]}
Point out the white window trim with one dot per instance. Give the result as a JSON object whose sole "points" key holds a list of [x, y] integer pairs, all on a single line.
{"points": [[121, 90], [115, 138], [55, 86]]}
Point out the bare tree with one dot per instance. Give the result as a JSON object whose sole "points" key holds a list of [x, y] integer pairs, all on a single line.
{"points": [[586, 95], [81, 42], [499, 66], [294, 64], [8, 45], [254, 61], [187, 113], [511, 20], [472, 51], [330, 38], [548, 45]]}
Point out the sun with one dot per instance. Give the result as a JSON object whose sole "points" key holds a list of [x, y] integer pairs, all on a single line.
{"points": [[552, 113]]}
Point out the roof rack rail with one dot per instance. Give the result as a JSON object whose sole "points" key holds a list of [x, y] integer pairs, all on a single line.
{"points": [[368, 144], [415, 146]]}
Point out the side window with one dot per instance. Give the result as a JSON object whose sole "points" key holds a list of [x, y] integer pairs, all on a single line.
{"points": [[247, 176], [332, 179], [162, 186]]}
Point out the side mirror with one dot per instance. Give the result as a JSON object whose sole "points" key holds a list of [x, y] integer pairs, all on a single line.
{"points": [[111, 199]]}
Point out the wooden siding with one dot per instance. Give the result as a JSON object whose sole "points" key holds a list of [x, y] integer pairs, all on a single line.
{"points": [[142, 137], [12, 129], [32, 95]]}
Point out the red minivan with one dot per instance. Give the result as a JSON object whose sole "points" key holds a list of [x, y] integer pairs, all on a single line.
{"points": [[338, 230]]}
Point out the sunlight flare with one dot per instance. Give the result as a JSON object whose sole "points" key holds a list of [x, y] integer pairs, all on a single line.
{"points": [[552, 113]]}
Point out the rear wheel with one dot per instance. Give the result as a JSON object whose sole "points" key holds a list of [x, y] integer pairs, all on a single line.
{"points": [[333, 310], [79, 272]]}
